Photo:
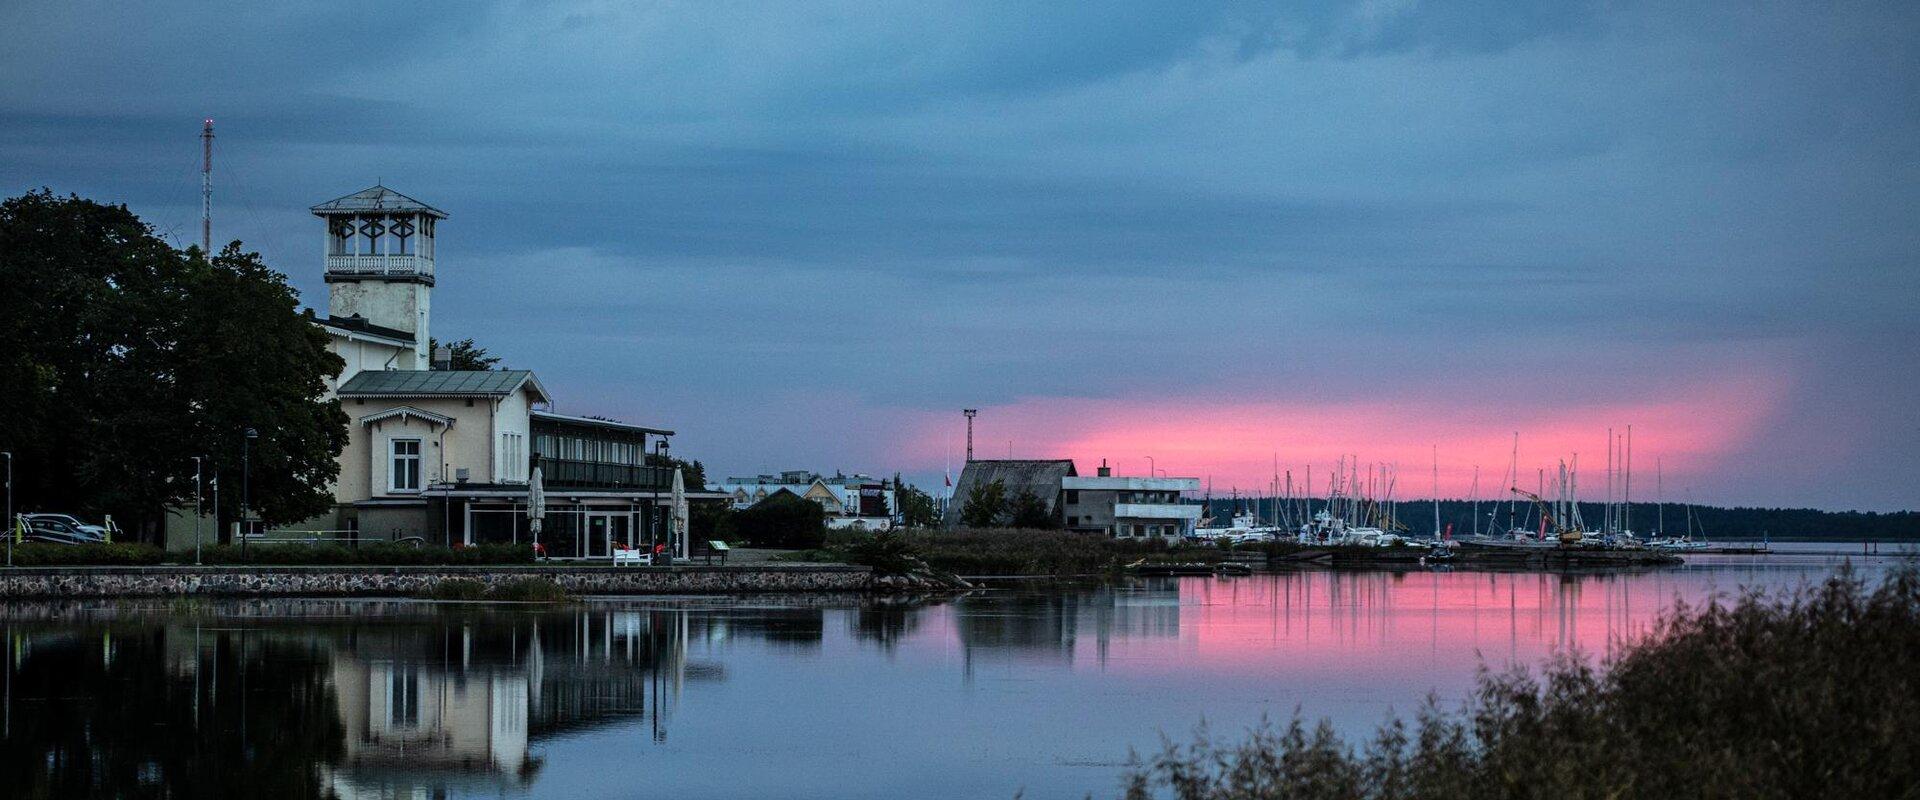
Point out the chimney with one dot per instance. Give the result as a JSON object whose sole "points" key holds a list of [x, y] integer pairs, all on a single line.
{"points": [[1105, 471], [443, 357]]}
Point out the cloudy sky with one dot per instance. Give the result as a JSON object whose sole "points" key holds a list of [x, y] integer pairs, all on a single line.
{"points": [[1219, 235]]}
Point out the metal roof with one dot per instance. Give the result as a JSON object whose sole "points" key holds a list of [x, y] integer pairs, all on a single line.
{"points": [[376, 199], [440, 383], [358, 324], [1040, 476], [603, 423]]}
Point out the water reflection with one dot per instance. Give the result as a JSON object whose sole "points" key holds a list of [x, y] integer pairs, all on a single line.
{"points": [[1050, 624], [1044, 689], [316, 698]]}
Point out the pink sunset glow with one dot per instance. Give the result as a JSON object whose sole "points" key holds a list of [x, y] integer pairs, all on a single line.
{"points": [[1690, 428]]}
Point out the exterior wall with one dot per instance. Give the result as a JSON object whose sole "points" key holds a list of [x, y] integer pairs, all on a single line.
{"points": [[387, 523], [362, 356], [512, 418], [472, 442], [1087, 509], [401, 305], [1115, 505], [826, 497]]}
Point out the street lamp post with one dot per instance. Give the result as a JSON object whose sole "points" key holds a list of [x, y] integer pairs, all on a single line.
{"points": [[657, 521], [1151, 469], [246, 489], [197, 509]]}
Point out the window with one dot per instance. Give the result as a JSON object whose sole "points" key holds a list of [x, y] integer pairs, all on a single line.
{"points": [[403, 696], [404, 476], [1073, 496], [513, 457]]}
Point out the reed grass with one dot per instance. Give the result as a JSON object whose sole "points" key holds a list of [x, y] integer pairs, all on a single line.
{"points": [[1814, 693]]}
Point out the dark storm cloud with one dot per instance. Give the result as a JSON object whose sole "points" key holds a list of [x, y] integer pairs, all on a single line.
{"points": [[761, 214]]}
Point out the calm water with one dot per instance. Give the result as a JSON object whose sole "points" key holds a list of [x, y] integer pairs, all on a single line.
{"points": [[802, 697]]}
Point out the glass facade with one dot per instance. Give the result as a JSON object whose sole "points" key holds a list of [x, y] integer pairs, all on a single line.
{"points": [[592, 457]]}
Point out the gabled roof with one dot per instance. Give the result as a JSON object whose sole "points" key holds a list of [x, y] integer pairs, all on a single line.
{"points": [[376, 199], [408, 411], [441, 383], [1042, 477]]}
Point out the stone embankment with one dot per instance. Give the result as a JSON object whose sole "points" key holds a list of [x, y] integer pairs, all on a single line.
{"points": [[261, 581]]}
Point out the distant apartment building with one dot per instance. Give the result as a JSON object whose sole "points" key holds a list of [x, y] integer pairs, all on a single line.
{"points": [[1128, 507], [850, 501]]}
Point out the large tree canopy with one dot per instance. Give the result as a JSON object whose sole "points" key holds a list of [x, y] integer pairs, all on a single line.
{"points": [[122, 358]]}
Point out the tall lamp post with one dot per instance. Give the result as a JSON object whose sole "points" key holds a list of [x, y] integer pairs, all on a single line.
{"points": [[246, 493], [1151, 468], [197, 512], [666, 468]]}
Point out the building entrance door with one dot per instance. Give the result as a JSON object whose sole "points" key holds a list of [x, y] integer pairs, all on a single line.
{"points": [[603, 529]]}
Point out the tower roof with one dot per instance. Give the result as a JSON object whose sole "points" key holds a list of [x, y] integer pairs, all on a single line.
{"points": [[376, 199]]}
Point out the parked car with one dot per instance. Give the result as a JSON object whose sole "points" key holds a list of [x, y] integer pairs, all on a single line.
{"points": [[55, 529], [99, 532]]}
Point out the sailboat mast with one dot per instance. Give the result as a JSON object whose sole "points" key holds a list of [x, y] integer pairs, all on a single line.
{"points": [[1475, 492], [1606, 513], [1513, 479], [1626, 500], [1659, 497]]}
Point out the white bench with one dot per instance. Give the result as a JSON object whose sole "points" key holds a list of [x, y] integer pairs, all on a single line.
{"points": [[631, 557]]}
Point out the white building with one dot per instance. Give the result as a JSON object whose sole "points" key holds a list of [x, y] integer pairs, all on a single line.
{"points": [[1129, 507], [446, 455]]}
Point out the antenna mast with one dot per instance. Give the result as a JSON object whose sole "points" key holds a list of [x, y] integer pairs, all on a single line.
{"points": [[970, 412], [206, 188]]}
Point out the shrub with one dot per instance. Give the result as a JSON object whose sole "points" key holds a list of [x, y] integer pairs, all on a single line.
{"points": [[458, 589], [43, 554], [888, 553], [782, 520], [539, 590], [1809, 695], [522, 589]]}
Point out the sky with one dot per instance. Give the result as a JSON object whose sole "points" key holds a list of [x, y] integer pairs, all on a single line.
{"points": [[1223, 236]]}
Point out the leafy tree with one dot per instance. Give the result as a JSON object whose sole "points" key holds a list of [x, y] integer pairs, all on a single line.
{"points": [[916, 506], [1028, 510], [783, 520], [466, 355], [693, 472], [124, 358], [986, 505]]}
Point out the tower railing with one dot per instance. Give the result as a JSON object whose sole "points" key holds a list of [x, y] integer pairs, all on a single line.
{"points": [[383, 265]]}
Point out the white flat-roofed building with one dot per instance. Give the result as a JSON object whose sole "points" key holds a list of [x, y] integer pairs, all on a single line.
{"points": [[1129, 507]]}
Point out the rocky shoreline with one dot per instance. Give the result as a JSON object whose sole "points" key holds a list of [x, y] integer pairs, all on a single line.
{"points": [[399, 581]]}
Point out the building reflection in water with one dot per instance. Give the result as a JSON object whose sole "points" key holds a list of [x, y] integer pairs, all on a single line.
{"points": [[1052, 625], [299, 699]]}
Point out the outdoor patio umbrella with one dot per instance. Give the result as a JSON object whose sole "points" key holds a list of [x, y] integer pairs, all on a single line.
{"points": [[536, 506], [680, 515]]}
